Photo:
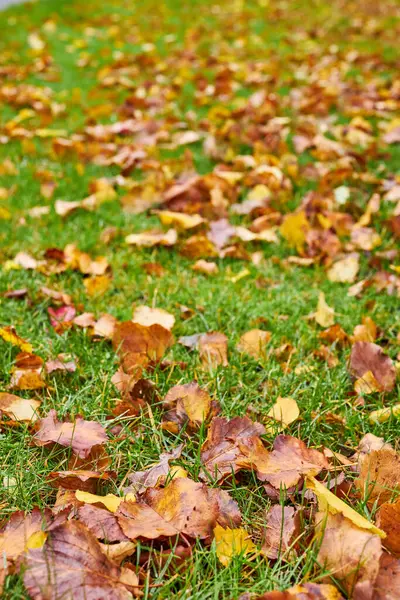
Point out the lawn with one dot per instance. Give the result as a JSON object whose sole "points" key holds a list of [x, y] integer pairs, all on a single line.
{"points": [[292, 104]]}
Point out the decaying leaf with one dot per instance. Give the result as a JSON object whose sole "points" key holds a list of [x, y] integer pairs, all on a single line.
{"points": [[102, 523], [138, 345], [153, 238], [384, 414], [345, 270], [20, 409], [304, 591], [387, 584], [294, 229], [284, 412], [388, 519], [254, 343], [27, 372], [213, 349], [282, 530], [325, 315], [367, 361], [155, 474], [232, 542], [379, 478], [110, 501], [80, 435], [188, 402], [72, 564], [147, 316], [10, 335]]}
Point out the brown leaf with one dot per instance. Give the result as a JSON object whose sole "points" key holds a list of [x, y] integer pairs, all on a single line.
{"points": [[27, 372], [283, 527], [9, 334], [15, 535], [350, 553], [368, 357], [198, 246], [222, 453], [72, 564], [138, 345], [142, 480], [345, 270], [213, 349], [387, 583], [388, 519], [84, 480], [186, 403], [289, 461], [153, 238], [206, 267], [254, 343], [101, 522], [379, 477], [304, 591], [80, 435], [184, 506], [20, 409], [366, 332]]}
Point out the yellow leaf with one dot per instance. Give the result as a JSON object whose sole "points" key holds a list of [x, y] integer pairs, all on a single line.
{"points": [[345, 270], [325, 315], [182, 220], [327, 501], [232, 542], [111, 502], [147, 316], [9, 335], [285, 411], [294, 229], [383, 414], [367, 384], [36, 540], [97, 285]]}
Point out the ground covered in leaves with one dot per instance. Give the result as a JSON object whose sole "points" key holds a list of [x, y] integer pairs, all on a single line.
{"points": [[200, 281]]}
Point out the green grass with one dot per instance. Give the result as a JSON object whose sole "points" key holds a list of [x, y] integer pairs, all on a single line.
{"points": [[266, 293]]}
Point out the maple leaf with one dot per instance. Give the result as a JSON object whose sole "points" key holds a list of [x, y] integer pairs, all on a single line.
{"points": [[80, 435], [72, 563]]}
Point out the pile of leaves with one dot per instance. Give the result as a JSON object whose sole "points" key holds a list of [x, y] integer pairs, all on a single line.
{"points": [[249, 148]]}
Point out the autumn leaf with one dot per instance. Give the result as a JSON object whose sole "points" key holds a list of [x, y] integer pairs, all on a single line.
{"points": [[368, 362], [72, 563], [294, 229], [20, 409], [213, 349], [140, 481], [282, 530], [254, 343], [147, 316], [27, 372], [101, 522], [188, 402], [284, 412], [388, 519], [379, 477], [180, 220], [152, 238], [138, 345], [10, 335], [325, 315], [110, 501], [79, 479], [305, 591], [345, 270], [80, 435], [231, 543]]}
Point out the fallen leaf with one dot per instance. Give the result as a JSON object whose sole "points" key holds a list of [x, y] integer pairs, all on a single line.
{"points": [[366, 332], [368, 357], [304, 591], [379, 478], [328, 502], [282, 530], [345, 270], [254, 343], [180, 220], [388, 519], [206, 267], [80, 435], [102, 523], [325, 315], [213, 349], [384, 414], [140, 481], [147, 316], [187, 403], [388, 581], [110, 501], [294, 229], [285, 411], [20, 409], [231, 543], [96, 286], [72, 563], [27, 372], [138, 345], [153, 238], [10, 335]]}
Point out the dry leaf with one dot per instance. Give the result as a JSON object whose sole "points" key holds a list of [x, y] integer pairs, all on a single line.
{"points": [[388, 519], [254, 343], [367, 357], [387, 584], [186, 403], [206, 267], [231, 543], [325, 315], [96, 286], [294, 229], [102, 523], [154, 475], [27, 372], [111, 502], [345, 270], [153, 238], [20, 409], [285, 411], [147, 316], [80, 435], [366, 332], [379, 478], [213, 349], [178, 219], [304, 591], [384, 414], [10, 335], [82, 479], [282, 530], [138, 345], [72, 564]]}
